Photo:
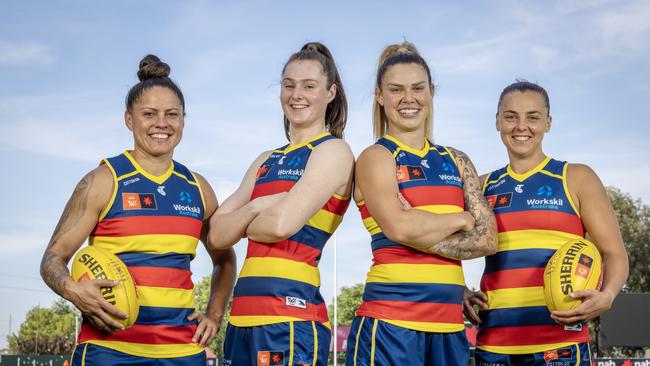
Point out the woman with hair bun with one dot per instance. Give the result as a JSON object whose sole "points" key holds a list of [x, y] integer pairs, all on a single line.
{"points": [[423, 207], [150, 211], [289, 203]]}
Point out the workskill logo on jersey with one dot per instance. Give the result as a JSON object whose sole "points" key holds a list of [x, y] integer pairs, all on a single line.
{"points": [[138, 201], [185, 208], [407, 173], [293, 170], [544, 200], [450, 175], [499, 200]]}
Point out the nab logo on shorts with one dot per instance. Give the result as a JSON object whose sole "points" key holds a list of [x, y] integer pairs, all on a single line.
{"points": [[499, 200], [406, 173], [138, 201]]}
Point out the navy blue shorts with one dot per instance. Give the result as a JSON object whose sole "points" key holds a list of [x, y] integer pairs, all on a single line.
{"points": [[289, 343], [373, 342], [87, 354], [576, 355]]}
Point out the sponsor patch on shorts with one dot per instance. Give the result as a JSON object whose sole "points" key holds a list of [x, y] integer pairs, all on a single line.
{"points": [[295, 302]]}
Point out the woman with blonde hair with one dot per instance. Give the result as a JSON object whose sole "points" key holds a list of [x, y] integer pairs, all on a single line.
{"points": [[423, 207]]}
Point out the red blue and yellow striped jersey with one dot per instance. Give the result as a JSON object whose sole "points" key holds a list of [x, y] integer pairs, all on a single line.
{"points": [[280, 282], [405, 287], [153, 224], [535, 215]]}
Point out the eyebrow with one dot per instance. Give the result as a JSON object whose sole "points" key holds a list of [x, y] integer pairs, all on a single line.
{"points": [[304, 80]]}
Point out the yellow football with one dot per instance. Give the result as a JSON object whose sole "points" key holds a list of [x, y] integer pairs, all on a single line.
{"points": [[576, 265], [92, 263]]}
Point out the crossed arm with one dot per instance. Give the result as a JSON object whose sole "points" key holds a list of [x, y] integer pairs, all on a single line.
{"points": [[463, 235]]}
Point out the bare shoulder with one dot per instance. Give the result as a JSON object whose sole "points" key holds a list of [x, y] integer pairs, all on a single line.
{"points": [[482, 179], [208, 194], [458, 154], [578, 174], [336, 148], [374, 154], [98, 183]]}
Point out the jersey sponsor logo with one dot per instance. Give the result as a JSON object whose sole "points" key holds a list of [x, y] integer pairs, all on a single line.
{"points": [[129, 181], [499, 200], [138, 201], [573, 328], [519, 188], [295, 302], [557, 355], [450, 176], [263, 171], [425, 163], [281, 161], [290, 174], [407, 173], [545, 202], [294, 162], [161, 190], [184, 208], [270, 358]]}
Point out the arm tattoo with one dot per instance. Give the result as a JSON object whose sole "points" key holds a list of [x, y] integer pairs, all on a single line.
{"points": [[482, 238], [54, 268]]}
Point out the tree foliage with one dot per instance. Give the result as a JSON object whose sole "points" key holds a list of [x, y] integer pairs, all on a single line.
{"points": [[348, 302], [46, 331], [201, 296], [634, 221]]}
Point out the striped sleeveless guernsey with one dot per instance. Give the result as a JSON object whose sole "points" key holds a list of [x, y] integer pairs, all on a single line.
{"points": [[153, 224], [280, 282], [535, 216], [405, 287]]}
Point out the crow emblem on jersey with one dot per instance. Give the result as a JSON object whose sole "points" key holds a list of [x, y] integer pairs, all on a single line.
{"points": [[499, 200], [138, 201], [406, 173]]}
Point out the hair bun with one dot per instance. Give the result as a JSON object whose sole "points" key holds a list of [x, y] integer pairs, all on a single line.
{"points": [[151, 67]]}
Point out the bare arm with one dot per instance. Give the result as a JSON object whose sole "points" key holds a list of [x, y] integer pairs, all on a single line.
{"points": [[223, 275], [376, 179], [482, 239], [77, 221], [228, 224], [599, 219], [329, 170]]}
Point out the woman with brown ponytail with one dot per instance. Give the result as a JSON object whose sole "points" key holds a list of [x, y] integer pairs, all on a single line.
{"points": [[423, 207], [289, 203], [150, 211]]}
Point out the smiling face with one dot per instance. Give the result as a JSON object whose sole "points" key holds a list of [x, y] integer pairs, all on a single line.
{"points": [[305, 93], [523, 120], [156, 120], [406, 97]]}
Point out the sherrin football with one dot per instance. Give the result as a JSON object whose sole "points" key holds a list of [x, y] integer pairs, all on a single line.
{"points": [[92, 263], [575, 266]]}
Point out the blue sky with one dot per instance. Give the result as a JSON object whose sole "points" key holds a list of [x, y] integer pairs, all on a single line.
{"points": [[65, 68]]}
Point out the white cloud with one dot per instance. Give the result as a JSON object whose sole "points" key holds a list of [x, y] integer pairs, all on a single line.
{"points": [[21, 54]]}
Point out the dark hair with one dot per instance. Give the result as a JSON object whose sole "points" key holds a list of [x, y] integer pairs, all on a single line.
{"points": [[403, 53], [152, 72], [522, 85], [336, 114]]}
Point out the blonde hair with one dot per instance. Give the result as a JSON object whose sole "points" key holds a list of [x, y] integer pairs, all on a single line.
{"points": [[403, 53]]}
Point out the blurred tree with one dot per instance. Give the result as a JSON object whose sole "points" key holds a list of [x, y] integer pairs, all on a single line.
{"points": [[201, 296], [46, 331]]}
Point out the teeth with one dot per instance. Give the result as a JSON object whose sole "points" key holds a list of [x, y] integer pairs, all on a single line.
{"points": [[521, 138], [408, 111], [299, 106], [162, 136]]}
